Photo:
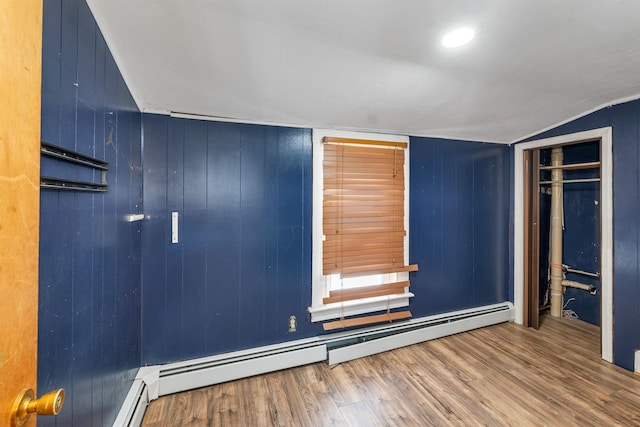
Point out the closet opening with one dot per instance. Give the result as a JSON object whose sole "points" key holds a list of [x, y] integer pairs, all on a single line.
{"points": [[563, 237]]}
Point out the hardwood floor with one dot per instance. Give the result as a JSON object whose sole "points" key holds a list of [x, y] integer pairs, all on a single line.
{"points": [[503, 375]]}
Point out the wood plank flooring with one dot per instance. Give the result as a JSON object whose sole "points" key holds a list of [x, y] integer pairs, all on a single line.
{"points": [[503, 375]]}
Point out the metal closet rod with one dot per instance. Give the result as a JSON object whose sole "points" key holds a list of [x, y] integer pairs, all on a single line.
{"points": [[571, 181], [571, 166]]}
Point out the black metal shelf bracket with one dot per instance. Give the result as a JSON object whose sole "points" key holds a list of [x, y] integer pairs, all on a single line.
{"points": [[60, 153]]}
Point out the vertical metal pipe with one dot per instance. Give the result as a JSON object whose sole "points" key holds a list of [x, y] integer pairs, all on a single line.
{"points": [[556, 233]]}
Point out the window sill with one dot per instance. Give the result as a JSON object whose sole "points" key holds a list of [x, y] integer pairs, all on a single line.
{"points": [[361, 306]]}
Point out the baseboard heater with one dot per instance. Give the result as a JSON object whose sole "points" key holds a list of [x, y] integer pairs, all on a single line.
{"points": [[134, 405], [336, 348], [197, 373], [377, 340]]}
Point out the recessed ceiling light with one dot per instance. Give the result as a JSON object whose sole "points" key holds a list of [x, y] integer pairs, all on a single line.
{"points": [[458, 37]]}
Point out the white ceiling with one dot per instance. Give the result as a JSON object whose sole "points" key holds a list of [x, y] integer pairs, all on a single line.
{"points": [[377, 65]]}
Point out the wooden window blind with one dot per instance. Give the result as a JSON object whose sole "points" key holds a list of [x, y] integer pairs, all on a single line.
{"points": [[363, 215]]}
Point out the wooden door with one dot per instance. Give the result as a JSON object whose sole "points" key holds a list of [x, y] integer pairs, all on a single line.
{"points": [[531, 198], [20, 75]]}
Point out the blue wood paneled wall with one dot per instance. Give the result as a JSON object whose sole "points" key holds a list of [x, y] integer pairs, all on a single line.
{"points": [[243, 262], [89, 307], [242, 265], [625, 121], [459, 224]]}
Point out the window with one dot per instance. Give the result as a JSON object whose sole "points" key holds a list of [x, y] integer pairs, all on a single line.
{"points": [[360, 226]]}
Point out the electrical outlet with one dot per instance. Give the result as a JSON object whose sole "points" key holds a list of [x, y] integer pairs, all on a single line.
{"points": [[293, 324]]}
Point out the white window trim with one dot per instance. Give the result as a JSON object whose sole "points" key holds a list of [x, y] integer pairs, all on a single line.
{"points": [[319, 311]]}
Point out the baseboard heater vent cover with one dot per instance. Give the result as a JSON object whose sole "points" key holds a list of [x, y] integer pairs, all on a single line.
{"points": [[134, 406], [181, 376], [377, 340]]}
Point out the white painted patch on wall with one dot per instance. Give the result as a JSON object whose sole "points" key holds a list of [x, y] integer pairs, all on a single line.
{"points": [[134, 217]]}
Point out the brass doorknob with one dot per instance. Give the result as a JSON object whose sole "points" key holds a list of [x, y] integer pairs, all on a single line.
{"points": [[26, 404]]}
